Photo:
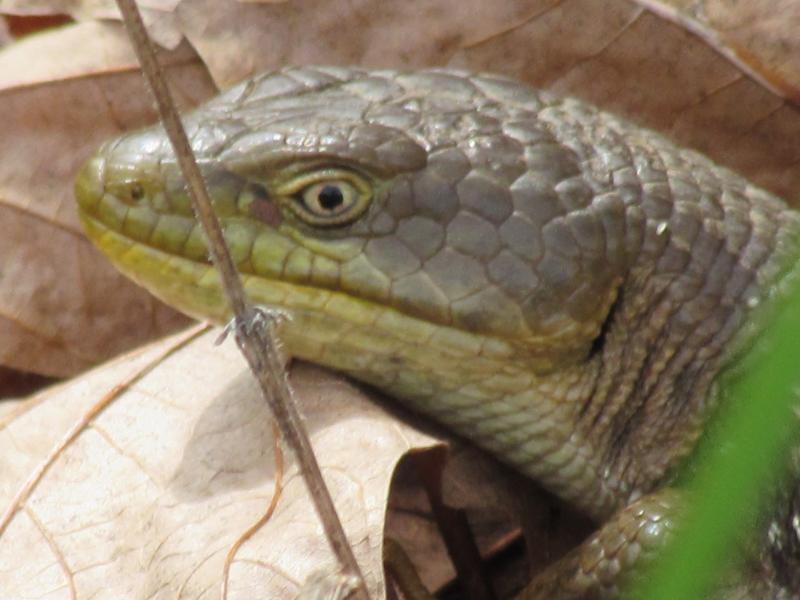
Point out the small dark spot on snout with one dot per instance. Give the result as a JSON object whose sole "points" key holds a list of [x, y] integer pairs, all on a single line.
{"points": [[263, 208], [136, 192], [397, 361]]}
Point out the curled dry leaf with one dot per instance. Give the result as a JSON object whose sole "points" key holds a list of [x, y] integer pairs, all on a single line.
{"points": [[147, 499]]}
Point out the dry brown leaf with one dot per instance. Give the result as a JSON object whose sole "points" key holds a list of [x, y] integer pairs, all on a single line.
{"points": [[62, 306], [158, 15], [264, 1], [759, 36], [498, 504], [5, 36], [147, 500], [250, 38]]}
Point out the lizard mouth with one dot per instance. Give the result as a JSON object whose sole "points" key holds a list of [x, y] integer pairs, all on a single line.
{"points": [[375, 343], [152, 236]]}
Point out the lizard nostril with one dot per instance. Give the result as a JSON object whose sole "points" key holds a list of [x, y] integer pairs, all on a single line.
{"points": [[137, 192]]}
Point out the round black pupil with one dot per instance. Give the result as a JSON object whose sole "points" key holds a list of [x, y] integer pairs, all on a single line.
{"points": [[330, 197]]}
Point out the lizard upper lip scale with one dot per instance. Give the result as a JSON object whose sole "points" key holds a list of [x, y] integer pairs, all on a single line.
{"points": [[553, 282]]}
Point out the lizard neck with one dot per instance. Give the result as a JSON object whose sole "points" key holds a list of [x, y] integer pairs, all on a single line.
{"points": [[492, 398], [686, 313]]}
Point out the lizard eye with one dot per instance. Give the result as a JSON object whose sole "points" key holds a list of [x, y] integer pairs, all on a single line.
{"points": [[331, 198]]}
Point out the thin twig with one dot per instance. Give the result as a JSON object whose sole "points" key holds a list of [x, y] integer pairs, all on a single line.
{"points": [[254, 335]]}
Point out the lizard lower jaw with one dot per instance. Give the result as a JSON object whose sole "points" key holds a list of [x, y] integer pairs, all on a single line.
{"points": [[374, 343]]}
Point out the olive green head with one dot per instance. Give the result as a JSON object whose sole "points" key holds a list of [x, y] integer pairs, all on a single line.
{"points": [[429, 216]]}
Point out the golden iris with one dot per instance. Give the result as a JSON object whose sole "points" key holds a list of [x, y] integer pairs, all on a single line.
{"points": [[328, 197]]}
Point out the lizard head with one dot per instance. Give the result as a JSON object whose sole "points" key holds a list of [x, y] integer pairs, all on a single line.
{"points": [[402, 220], [458, 241]]}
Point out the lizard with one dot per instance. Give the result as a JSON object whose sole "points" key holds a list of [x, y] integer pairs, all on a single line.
{"points": [[555, 284]]}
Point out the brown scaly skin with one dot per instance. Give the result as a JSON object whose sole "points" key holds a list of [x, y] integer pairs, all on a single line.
{"points": [[550, 281]]}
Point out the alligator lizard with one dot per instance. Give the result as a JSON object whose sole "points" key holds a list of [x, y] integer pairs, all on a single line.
{"points": [[555, 284]]}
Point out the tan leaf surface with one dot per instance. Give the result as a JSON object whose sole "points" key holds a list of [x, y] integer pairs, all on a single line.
{"points": [[148, 499], [759, 36], [62, 306]]}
